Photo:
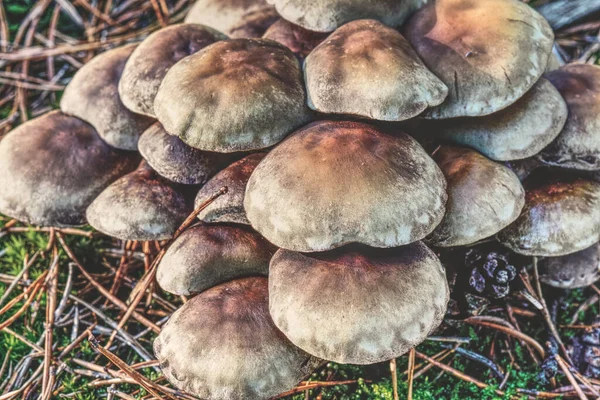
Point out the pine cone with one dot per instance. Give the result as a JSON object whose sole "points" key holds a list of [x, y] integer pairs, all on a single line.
{"points": [[491, 273], [585, 352]]}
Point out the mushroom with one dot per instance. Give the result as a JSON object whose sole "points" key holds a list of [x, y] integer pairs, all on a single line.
{"points": [[572, 271], [223, 15], [222, 344], [139, 206], [150, 61], [339, 182], [254, 24], [175, 160], [207, 255], [52, 167], [488, 52], [301, 41], [230, 206], [234, 95], [93, 96], [358, 305], [367, 69], [484, 197]]}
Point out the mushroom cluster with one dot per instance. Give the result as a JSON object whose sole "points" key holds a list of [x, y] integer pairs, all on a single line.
{"points": [[354, 138]]}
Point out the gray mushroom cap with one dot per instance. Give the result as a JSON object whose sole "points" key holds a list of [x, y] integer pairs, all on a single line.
{"points": [[52, 168], [484, 197], [93, 96], [207, 255], [140, 206], [572, 271], [365, 68], [223, 15], [230, 206], [301, 41], [358, 305], [488, 52], [222, 344], [254, 24], [338, 182], [150, 61], [234, 95]]}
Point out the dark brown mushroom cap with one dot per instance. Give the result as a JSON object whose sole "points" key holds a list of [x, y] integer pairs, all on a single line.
{"points": [[578, 145], [234, 95], [339, 182], [488, 52], [358, 305], [150, 61], [328, 15], [519, 131], [365, 68], [223, 15], [254, 24], [93, 96], [222, 344], [175, 160], [484, 197], [561, 216], [207, 255], [572, 271], [230, 206], [52, 168], [301, 41], [140, 206]]}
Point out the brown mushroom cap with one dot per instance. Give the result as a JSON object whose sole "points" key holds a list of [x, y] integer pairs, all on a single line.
{"points": [[93, 96], [52, 168], [356, 304], [150, 61], [230, 206], [234, 95], [254, 24], [484, 197], [578, 145], [223, 15], [222, 344], [367, 69], [488, 52], [207, 255], [301, 41], [572, 271], [338, 182], [139, 206]]}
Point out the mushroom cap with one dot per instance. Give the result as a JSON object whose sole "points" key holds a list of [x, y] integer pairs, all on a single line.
{"points": [[175, 160], [254, 24], [301, 41], [488, 52], [93, 96], [328, 15], [140, 206], [52, 167], [561, 216], [207, 255], [367, 69], [358, 305], [230, 206], [578, 145], [484, 197], [222, 344], [519, 131], [234, 95], [223, 15], [150, 61], [572, 271], [339, 182]]}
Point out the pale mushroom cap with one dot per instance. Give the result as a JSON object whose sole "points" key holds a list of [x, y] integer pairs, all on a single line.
{"points": [[365, 68], [139, 206], [519, 131], [222, 344], [52, 167], [223, 15], [328, 15], [337, 182], [488, 52], [572, 271], [578, 145], [150, 61], [234, 95], [483, 197], [254, 24], [301, 41], [93, 96], [207, 255], [230, 206], [358, 305]]}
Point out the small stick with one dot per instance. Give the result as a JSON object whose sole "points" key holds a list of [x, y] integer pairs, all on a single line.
{"points": [[411, 374], [511, 332], [570, 377], [393, 371]]}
